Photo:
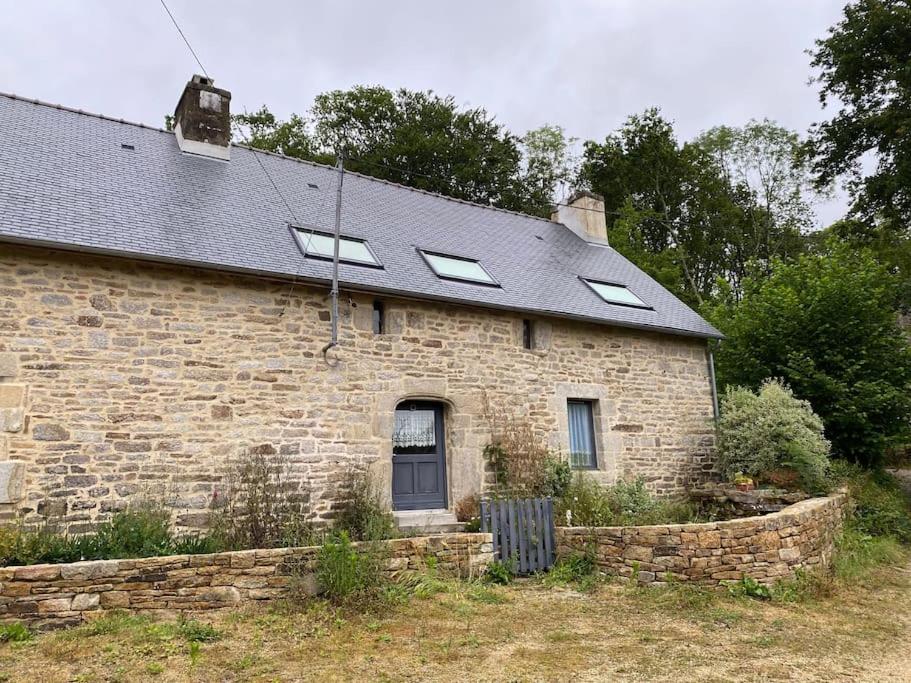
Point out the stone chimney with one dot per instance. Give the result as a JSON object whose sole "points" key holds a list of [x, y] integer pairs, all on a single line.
{"points": [[584, 215], [202, 119]]}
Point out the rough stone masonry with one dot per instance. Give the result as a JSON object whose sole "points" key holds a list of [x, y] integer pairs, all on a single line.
{"points": [[120, 378], [57, 595], [767, 549]]}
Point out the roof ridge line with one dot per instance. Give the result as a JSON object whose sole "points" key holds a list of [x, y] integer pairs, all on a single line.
{"points": [[144, 126], [73, 110], [390, 182]]}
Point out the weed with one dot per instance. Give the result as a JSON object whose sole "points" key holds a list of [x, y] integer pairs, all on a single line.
{"points": [[15, 633], [748, 587], [197, 631], [499, 572], [577, 568], [857, 551], [115, 622], [154, 668], [195, 651]]}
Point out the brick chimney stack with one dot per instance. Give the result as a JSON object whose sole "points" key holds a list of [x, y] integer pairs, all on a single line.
{"points": [[584, 215], [202, 119]]}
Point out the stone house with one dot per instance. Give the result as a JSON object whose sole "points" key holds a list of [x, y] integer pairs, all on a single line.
{"points": [[165, 310]]}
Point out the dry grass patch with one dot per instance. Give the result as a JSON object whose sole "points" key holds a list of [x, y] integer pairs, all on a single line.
{"points": [[527, 631]]}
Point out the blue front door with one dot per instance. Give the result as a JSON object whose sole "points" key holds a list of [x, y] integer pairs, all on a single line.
{"points": [[418, 457]]}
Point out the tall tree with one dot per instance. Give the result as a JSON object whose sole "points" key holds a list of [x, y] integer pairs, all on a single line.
{"points": [[422, 140], [825, 324], [647, 180], [864, 67], [767, 177], [548, 166]]}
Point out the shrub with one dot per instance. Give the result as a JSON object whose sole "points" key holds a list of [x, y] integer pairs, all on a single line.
{"points": [[587, 503], [522, 463], [20, 546], [142, 530], [759, 433], [349, 575], [361, 513], [260, 507]]}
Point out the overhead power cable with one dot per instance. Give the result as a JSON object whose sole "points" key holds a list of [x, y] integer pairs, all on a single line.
{"points": [[294, 220], [190, 47]]}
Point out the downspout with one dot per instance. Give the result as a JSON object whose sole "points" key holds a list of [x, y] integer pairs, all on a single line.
{"points": [[334, 293], [711, 361]]}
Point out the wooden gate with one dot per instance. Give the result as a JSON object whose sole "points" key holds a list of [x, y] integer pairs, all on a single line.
{"points": [[523, 532]]}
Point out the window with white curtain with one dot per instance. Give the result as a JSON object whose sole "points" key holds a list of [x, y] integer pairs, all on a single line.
{"points": [[582, 453]]}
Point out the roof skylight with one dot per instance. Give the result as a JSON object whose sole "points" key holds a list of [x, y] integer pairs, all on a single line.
{"points": [[458, 268], [615, 294], [321, 245]]}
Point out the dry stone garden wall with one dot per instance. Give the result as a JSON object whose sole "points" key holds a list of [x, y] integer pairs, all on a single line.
{"points": [[57, 595], [768, 548]]}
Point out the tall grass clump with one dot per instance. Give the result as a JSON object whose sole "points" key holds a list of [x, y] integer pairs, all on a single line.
{"points": [[350, 575]]}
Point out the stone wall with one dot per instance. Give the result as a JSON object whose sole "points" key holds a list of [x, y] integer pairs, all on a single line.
{"points": [[120, 378], [768, 548], [53, 595]]}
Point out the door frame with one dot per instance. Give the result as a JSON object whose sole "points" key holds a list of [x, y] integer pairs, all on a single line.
{"points": [[439, 409]]}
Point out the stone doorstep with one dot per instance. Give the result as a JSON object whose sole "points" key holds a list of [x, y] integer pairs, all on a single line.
{"points": [[427, 521]]}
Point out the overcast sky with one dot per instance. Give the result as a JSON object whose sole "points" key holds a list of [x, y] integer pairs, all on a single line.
{"points": [[585, 65]]}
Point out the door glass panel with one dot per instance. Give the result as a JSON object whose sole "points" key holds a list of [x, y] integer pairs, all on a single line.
{"points": [[414, 428]]}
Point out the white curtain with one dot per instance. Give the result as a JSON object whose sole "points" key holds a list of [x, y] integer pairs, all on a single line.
{"points": [[414, 428]]}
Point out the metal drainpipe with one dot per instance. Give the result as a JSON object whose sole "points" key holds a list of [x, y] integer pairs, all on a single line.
{"points": [[711, 362], [338, 222]]}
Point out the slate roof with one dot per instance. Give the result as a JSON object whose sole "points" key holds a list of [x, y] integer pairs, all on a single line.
{"points": [[67, 181]]}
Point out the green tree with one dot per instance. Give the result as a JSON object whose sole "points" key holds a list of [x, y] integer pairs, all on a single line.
{"points": [[767, 177], [864, 66], [548, 164], [422, 140], [652, 189], [263, 130], [826, 325]]}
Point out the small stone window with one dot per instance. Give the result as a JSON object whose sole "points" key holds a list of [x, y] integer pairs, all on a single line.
{"points": [[528, 334], [379, 317], [582, 452]]}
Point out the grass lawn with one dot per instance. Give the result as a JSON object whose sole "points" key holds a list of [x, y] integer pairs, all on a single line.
{"points": [[526, 631]]}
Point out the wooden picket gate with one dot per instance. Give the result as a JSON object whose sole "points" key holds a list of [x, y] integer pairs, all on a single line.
{"points": [[523, 532]]}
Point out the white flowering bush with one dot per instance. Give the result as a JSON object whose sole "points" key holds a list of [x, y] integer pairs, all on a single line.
{"points": [[771, 430]]}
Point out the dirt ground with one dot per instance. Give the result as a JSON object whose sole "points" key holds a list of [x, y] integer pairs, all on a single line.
{"points": [[524, 632]]}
